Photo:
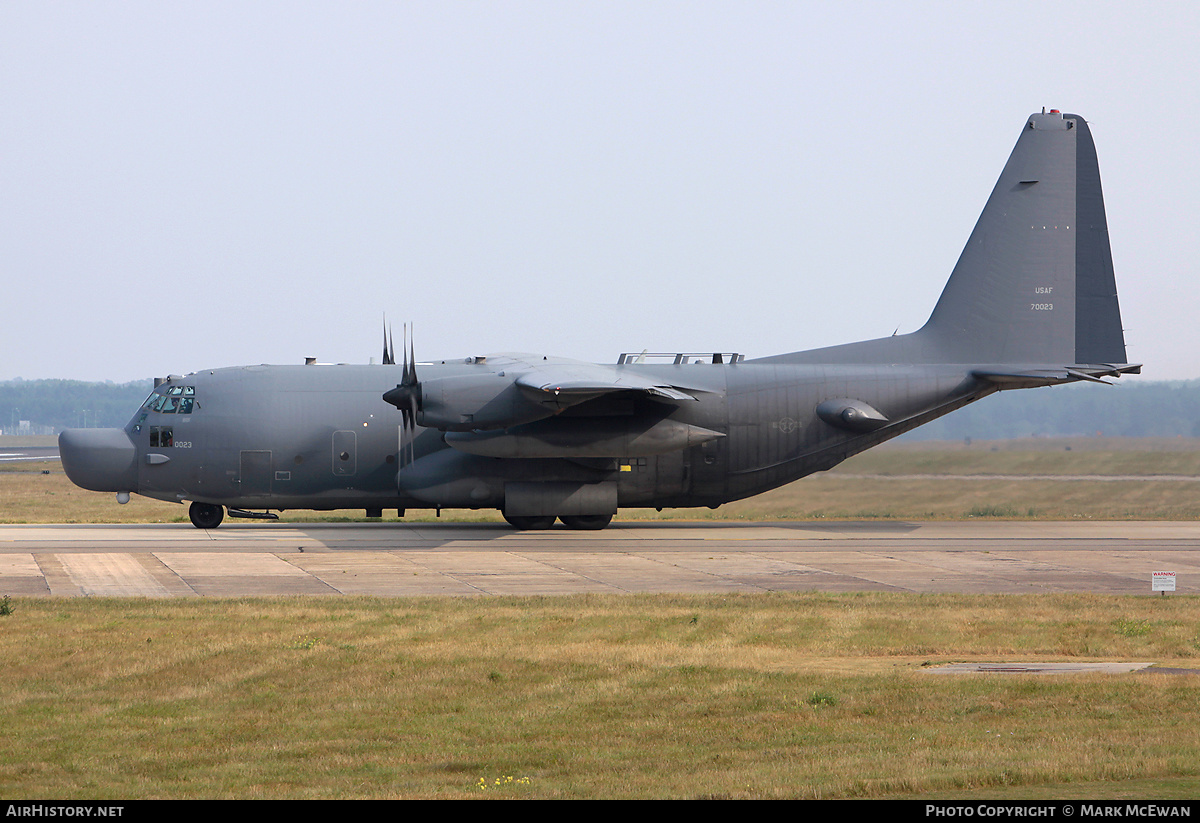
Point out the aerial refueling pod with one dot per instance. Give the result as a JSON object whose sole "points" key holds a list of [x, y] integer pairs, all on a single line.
{"points": [[852, 415]]}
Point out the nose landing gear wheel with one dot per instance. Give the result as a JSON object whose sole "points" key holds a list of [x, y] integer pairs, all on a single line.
{"points": [[206, 515]]}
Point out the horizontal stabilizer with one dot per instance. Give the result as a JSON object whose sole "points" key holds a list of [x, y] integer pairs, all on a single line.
{"points": [[1029, 378]]}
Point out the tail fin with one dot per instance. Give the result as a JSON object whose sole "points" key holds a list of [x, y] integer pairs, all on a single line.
{"points": [[1034, 285]]}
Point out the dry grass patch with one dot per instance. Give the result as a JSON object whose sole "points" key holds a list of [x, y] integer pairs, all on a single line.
{"points": [[781, 695]]}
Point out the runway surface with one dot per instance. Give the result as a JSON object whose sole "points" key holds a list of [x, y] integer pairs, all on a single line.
{"points": [[28, 454], [396, 559]]}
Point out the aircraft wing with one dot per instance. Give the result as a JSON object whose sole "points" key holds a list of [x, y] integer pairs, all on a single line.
{"points": [[529, 388], [576, 382]]}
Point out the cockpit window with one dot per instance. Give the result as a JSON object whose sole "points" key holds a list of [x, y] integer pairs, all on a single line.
{"points": [[176, 400]]}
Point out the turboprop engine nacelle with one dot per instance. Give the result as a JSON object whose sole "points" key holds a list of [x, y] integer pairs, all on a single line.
{"points": [[478, 401]]}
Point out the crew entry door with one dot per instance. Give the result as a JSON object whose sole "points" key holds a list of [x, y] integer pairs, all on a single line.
{"points": [[256, 474]]}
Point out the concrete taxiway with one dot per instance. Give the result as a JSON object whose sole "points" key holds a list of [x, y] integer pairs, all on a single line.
{"points": [[397, 559], [28, 454]]}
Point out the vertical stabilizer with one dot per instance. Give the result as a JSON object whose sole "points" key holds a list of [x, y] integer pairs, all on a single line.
{"points": [[1035, 282], [1034, 285]]}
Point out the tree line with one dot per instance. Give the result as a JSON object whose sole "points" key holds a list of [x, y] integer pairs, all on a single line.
{"points": [[1126, 409], [67, 404]]}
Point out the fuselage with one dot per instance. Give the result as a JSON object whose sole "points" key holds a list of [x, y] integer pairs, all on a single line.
{"points": [[322, 437]]}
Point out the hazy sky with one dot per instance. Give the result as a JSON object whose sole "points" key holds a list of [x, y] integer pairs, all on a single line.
{"points": [[188, 185]]}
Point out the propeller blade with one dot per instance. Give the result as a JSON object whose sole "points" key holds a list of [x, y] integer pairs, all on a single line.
{"points": [[412, 361], [409, 375], [408, 433], [407, 398], [389, 348]]}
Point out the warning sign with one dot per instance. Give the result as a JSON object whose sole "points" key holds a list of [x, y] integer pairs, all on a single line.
{"points": [[1162, 581]]}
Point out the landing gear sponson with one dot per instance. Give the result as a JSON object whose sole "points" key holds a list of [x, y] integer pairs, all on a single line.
{"points": [[210, 515], [589, 522]]}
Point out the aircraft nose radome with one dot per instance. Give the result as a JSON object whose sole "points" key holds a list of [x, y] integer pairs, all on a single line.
{"points": [[101, 460]]}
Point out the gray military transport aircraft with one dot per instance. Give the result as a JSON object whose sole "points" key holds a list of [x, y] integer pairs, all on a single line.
{"points": [[1031, 302]]}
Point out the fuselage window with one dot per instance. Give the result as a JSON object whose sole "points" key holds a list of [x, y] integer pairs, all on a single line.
{"points": [[161, 437]]}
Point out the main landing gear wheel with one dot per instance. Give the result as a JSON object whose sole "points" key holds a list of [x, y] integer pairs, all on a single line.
{"points": [[590, 522], [529, 523], [206, 515]]}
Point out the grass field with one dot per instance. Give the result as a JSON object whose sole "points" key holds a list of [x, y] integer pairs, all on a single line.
{"points": [[731, 696], [1044, 479], [759, 696]]}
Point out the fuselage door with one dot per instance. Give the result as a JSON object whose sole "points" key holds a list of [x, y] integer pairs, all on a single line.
{"points": [[255, 473], [710, 466]]}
